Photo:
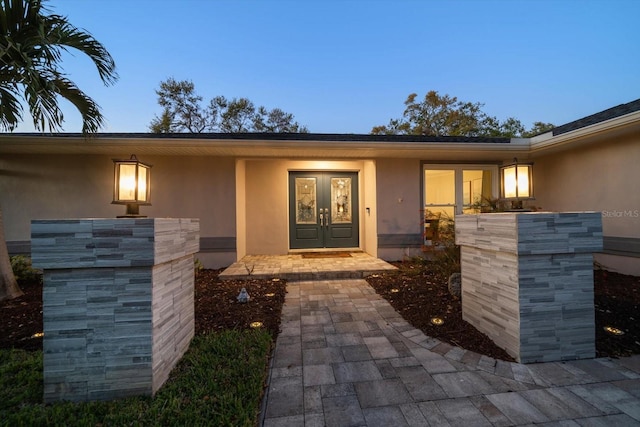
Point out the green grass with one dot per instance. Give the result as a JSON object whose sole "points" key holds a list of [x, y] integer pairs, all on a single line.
{"points": [[219, 381]]}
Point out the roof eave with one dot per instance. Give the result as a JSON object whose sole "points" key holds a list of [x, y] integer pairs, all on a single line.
{"points": [[615, 127], [252, 148]]}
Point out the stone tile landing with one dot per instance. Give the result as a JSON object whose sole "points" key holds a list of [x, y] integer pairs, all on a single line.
{"points": [[296, 267]]}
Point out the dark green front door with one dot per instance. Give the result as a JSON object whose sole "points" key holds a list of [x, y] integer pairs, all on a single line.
{"points": [[323, 210]]}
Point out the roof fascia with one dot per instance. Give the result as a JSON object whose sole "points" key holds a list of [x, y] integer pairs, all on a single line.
{"points": [[592, 133], [39, 144]]}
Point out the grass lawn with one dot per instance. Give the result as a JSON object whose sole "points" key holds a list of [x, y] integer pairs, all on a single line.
{"points": [[219, 381]]}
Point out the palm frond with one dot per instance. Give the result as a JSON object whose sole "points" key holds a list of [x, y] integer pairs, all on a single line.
{"points": [[92, 119], [41, 94], [10, 109], [31, 44], [61, 33]]}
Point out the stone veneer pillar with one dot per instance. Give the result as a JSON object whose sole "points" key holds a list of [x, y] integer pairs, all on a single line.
{"points": [[527, 281], [117, 303]]}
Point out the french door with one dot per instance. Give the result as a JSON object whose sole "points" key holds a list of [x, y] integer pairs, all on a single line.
{"points": [[323, 210]]}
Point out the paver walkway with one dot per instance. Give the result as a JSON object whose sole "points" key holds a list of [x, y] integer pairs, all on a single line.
{"points": [[346, 358]]}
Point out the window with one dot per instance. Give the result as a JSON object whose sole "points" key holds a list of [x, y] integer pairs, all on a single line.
{"points": [[451, 190]]}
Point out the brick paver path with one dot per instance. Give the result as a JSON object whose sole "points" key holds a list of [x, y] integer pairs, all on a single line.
{"points": [[346, 358]]}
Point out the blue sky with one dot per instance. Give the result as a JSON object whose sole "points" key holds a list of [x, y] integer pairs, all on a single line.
{"points": [[344, 66]]}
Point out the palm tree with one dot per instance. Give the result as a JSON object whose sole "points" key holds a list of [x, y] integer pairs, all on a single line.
{"points": [[32, 41], [31, 48]]}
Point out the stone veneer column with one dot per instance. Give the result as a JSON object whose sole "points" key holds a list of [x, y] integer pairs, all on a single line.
{"points": [[527, 281], [117, 303]]}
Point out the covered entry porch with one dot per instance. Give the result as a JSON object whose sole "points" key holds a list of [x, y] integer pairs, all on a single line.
{"points": [[269, 196]]}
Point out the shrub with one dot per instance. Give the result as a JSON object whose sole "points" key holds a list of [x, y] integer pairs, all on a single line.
{"points": [[446, 258], [24, 272]]}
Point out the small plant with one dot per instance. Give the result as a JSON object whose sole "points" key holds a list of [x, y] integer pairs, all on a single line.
{"points": [[446, 259], [441, 252], [24, 272], [198, 267], [249, 268], [493, 205], [489, 204]]}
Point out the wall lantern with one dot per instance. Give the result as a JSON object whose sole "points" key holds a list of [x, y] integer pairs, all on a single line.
{"points": [[516, 183], [131, 185]]}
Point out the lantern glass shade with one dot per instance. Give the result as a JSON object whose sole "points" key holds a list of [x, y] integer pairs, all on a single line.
{"points": [[516, 182], [132, 180]]}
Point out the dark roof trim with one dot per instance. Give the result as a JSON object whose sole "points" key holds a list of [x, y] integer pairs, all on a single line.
{"points": [[608, 114], [276, 137]]}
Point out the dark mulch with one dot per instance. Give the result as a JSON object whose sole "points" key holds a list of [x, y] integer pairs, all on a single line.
{"points": [[216, 308], [421, 296]]}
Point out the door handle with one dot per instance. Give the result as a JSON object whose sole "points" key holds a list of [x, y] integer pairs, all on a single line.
{"points": [[326, 217], [321, 218]]}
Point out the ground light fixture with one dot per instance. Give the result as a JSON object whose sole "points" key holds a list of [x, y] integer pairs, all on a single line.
{"points": [[613, 331], [516, 183], [437, 321], [131, 185]]}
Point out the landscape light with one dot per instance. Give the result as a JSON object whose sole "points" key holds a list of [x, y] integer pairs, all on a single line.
{"points": [[437, 321], [131, 185], [516, 183]]}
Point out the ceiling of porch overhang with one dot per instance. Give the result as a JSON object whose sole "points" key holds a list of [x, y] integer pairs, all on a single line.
{"points": [[287, 146]]}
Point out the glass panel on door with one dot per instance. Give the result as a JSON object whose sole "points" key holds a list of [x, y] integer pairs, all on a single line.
{"points": [[341, 200], [306, 201], [323, 209]]}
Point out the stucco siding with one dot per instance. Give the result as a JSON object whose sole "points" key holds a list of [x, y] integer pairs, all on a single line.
{"points": [[47, 187], [398, 207], [600, 177], [267, 200], [369, 237], [266, 207], [81, 186]]}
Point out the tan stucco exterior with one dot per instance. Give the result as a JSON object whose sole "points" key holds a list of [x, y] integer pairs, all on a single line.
{"points": [[399, 202], [266, 197], [237, 185], [369, 219], [81, 186], [595, 177]]}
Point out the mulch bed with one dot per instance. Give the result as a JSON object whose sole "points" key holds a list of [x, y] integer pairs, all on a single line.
{"points": [[216, 308], [421, 296]]}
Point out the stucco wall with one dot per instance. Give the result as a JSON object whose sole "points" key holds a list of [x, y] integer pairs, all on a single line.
{"points": [[369, 237], [599, 177], [241, 208], [267, 200], [81, 186], [266, 203], [398, 207]]}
